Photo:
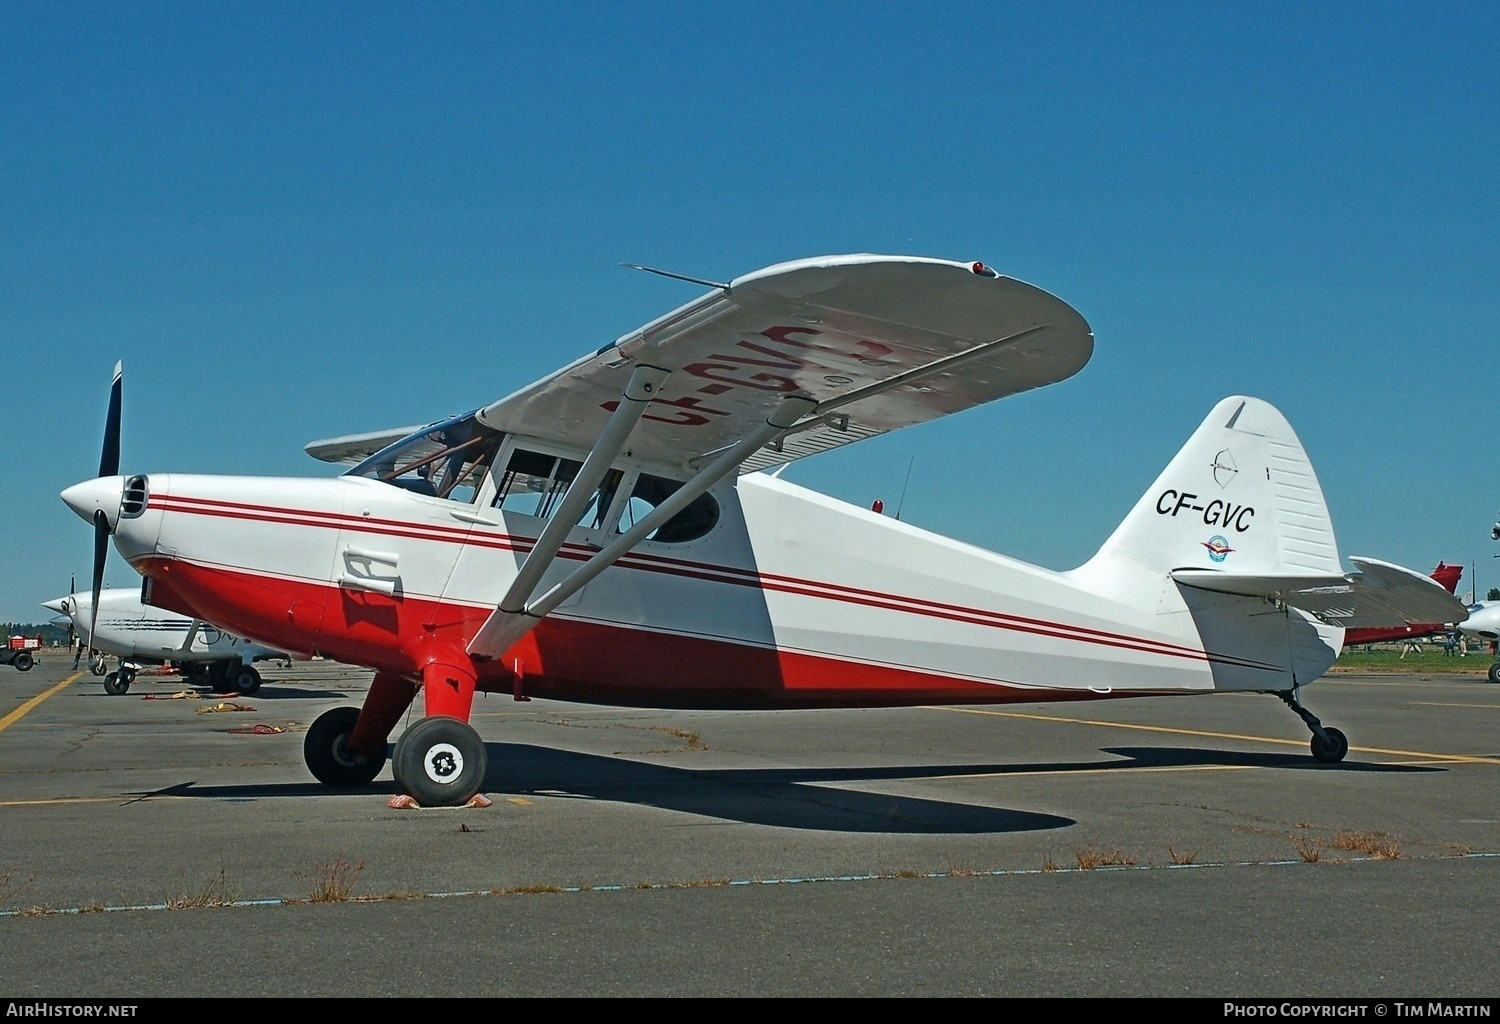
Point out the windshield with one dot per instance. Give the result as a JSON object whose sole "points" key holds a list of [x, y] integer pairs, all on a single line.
{"points": [[445, 460]]}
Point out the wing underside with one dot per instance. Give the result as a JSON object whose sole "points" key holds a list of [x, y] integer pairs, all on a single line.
{"points": [[876, 342], [879, 342]]}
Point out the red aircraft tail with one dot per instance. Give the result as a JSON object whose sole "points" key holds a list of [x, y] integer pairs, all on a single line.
{"points": [[1448, 576]]}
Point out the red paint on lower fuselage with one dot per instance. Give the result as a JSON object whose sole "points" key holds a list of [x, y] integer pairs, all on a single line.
{"points": [[562, 658]]}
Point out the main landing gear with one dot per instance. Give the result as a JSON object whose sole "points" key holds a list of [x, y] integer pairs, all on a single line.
{"points": [[438, 762], [1329, 745], [118, 681], [223, 676], [329, 756]]}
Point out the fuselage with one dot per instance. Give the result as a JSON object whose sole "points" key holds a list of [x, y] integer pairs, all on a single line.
{"points": [[129, 629], [790, 599], [1483, 621]]}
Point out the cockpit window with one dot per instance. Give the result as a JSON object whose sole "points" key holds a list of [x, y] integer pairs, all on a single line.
{"points": [[447, 460], [695, 520]]}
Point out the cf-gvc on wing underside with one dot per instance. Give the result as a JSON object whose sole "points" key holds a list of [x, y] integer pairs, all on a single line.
{"points": [[603, 535]]}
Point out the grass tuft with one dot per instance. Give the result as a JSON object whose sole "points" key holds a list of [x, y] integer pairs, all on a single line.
{"points": [[331, 882], [1089, 858], [1310, 850], [1371, 844], [213, 892]]}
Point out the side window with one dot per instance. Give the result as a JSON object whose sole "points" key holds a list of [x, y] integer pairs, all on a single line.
{"points": [[698, 517], [533, 484]]}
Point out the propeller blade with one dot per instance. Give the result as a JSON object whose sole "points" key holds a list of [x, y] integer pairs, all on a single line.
{"points": [[187, 645], [101, 552], [72, 589], [109, 458]]}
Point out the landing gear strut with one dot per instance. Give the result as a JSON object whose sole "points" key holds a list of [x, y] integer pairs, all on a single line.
{"points": [[1329, 745]]}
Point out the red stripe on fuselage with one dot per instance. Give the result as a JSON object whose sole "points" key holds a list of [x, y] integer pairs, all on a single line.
{"points": [[567, 659], [707, 572]]}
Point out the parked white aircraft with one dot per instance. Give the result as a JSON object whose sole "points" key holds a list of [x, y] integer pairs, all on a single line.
{"points": [[602, 535], [1483, 624], [139, 635]]}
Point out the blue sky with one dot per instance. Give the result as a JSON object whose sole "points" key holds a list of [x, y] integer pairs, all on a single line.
{"points": [[302, 220]]}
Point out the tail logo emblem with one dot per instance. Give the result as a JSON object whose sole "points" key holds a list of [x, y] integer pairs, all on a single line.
{"points": [[1224, 468], [1218, 548]]}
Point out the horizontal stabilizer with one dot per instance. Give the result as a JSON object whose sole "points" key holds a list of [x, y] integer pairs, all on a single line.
{"points": [[1379, 594]]}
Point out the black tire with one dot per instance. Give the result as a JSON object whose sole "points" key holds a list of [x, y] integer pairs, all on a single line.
{"points": [[219, 676], [1495, 672], [440, 762], [116, 683], [24, 661], [98, 666], [245, 680], [1332, 751], [328, 757]]}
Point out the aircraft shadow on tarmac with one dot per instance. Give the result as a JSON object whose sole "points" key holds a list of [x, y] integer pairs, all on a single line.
{"points": [[802, 798]]}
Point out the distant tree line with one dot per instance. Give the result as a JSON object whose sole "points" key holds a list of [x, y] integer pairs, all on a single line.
{"points": [[46, 630]]}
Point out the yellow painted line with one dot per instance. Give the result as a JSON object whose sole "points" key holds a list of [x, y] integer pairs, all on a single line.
{"points": [[62, 800], [1441, 704], [25, 709], [518, 801], [1456, 758], [1056, 773]]}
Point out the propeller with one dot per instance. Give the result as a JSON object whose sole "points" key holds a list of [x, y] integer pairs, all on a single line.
{"points": [[109, 458], [109, 465], [72, 591]]}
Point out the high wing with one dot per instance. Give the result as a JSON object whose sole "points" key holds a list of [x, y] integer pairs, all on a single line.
{"points": [[1379, 594], [877, 342]]}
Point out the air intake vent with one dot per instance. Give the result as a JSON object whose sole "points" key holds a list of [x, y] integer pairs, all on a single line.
{"points": [[136, 496]]}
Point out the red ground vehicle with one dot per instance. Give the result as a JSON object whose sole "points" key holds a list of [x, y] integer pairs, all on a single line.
{"points": [[20, 651]]}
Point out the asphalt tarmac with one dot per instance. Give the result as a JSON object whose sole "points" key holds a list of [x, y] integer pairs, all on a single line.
{"points": [[170, 842]]}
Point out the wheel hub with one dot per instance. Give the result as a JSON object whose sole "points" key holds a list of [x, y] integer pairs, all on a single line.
{"points": [[443, 763]]}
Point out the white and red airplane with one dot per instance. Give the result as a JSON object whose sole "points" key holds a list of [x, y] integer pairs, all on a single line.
{"points": [[603, 535], [138, 634]]}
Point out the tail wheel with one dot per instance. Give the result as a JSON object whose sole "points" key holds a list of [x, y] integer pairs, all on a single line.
{"points": [[326, 751], [440, 762], [116, 683], [24, 661], [1332, 749]]}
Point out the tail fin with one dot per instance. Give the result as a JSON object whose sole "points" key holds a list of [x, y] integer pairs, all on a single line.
{"points": [[1448, 576], [1240, 496]]}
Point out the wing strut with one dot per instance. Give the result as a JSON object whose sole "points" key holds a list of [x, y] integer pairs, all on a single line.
{"points": [[507, 625], [645, 382]]}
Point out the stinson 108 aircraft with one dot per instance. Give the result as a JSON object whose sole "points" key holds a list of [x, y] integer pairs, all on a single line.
{"points": [[605, 535]]}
